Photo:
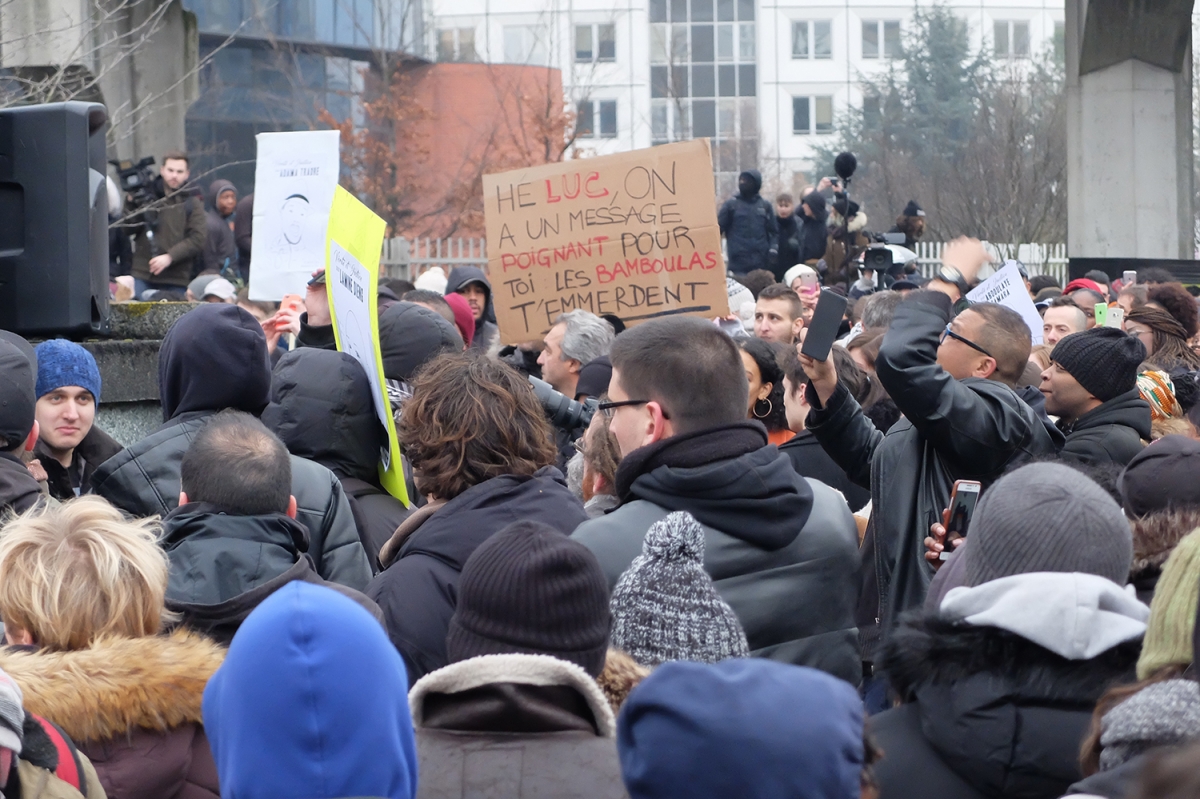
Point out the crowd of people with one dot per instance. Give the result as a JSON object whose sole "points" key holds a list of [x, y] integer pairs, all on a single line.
{"points": [[678, 559]]}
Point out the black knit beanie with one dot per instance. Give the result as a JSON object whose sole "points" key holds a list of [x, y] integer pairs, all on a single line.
{"points": [[529, 589], [1103, 360]]}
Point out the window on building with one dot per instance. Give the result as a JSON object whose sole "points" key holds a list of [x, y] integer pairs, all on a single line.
{"points": [[596, 43], [585, 121], [524, 44], [823, 114], [1011, 38], [801, 116], [456, 44], [591, 112], [812, 39], [812, 115], [880, 38]]}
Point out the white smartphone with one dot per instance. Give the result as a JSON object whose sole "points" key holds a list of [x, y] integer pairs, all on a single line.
{"points": [[962, 508], [1116, 318]]}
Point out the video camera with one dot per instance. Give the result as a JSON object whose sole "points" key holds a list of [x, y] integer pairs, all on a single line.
{"points": [[137, 183], [562, 411]]}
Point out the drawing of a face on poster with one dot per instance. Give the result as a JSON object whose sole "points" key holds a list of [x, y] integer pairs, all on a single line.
{"points": [[294, 213]]}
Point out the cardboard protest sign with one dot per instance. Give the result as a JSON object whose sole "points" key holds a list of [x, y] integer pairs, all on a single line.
{"points": [[353, 244], [294, 179], [1007, 288], [633, 234]]}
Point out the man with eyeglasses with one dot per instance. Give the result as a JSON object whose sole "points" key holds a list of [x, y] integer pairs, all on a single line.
{"points": [[952, 377], [782, 550]]}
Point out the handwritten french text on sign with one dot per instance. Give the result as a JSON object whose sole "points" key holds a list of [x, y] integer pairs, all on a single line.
{"points": [[634, 235], [1007, 288]]}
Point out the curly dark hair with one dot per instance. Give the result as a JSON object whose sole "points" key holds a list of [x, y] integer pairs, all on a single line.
{"points": [[767, 357], [470, 419], [1175, 300]]}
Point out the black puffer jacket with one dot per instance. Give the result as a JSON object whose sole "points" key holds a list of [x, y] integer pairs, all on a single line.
{"points": [[749, 225], [781, 550], [1111, 433], [322, 409], [987, 713], [18, 490], [215, 357], [419, 589], [971, 429]]}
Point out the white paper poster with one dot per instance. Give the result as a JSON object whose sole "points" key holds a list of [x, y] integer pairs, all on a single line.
{"points": [[350, 293], [1008, 289], [294, 179]]}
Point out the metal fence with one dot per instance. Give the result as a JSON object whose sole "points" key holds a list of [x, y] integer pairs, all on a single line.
{"points": [[407, 258], [1039, 259]]}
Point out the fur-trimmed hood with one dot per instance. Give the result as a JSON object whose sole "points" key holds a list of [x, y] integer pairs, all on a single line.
{"points": [[531, 670], [1001, 712], [1155, 537], [857, 222], [929, 649], [98, 693], [620, 676]]}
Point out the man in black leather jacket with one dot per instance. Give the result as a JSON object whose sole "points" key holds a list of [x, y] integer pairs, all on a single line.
{"points": [[952, 379]]}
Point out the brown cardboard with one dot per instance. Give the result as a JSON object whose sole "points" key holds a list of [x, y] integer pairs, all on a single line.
{"points": [[633, 234]]}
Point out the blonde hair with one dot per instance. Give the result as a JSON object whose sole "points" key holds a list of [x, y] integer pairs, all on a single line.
{"points": [[72, 573]]}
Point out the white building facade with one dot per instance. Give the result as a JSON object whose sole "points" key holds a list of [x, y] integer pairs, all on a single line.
{"points": [[763, 79]]}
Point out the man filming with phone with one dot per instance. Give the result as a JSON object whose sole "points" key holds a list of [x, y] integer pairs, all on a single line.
{"points": [[952, 377]]}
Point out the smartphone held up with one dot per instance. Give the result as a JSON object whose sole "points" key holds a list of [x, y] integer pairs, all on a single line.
{"points": [[962, 507]]}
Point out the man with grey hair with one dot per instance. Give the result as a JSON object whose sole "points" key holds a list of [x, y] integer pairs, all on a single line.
{"points": [[577, 338], [879, 308]]}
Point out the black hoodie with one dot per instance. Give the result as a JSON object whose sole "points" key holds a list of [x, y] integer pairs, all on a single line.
{"points": [[213, 358], [1110, 433], [750, 227], [485, 329], [322, 409]]}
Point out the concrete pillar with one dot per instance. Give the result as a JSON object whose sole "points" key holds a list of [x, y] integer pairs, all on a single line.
{"points": [[1129, 129], [144, 56]]}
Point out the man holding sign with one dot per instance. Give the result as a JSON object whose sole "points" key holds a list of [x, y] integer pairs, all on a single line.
{"points": [[633, 235]]}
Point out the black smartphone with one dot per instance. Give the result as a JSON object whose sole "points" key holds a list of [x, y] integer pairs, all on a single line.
{"points": [[318, 280], [962, 507], [823, 329]]}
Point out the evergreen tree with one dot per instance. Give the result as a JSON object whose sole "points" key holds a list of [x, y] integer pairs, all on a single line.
{"points": [[977, 140]]}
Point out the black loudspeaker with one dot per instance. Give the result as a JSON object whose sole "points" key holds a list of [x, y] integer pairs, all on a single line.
{"points": [[53, 219]]}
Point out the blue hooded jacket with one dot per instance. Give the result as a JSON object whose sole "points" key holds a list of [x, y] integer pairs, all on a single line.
{"points": [[311, 703], [750, 728]]}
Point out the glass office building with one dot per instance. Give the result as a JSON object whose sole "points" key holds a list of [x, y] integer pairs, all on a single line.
{"points": [[271, 65]]}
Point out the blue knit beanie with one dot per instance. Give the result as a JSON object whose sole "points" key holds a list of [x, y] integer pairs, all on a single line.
{"points": [[65, 363]]}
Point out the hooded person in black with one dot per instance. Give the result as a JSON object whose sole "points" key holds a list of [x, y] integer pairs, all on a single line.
{"points": [[220, 249], [213, 358], [322, 409], [18, 427], [814, 235], [233, 541], [749, 226], [462, 278]]}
